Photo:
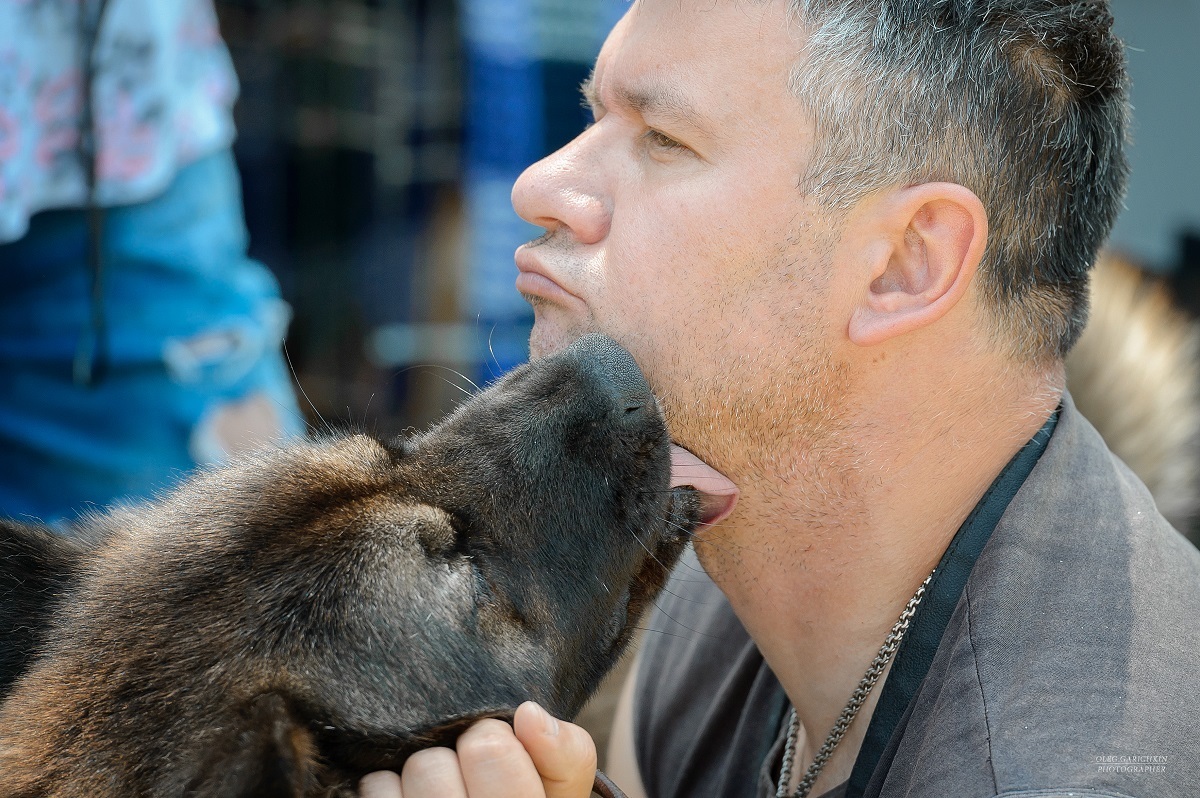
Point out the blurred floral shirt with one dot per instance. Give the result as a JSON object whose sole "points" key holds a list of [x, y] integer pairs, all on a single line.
{"points": [[162, 97]]}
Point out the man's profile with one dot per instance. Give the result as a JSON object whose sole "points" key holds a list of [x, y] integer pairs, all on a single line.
{"points": [[849, 243]]}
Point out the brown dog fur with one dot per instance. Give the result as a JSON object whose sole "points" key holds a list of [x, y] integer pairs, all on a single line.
{"points": [[281, 626]]}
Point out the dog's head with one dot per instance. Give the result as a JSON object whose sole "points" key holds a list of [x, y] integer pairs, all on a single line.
{"points": [[546, 508], [499, 556], [377, 590]]}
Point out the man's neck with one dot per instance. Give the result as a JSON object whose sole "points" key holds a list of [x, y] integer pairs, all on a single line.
{"points": [[818, 566]]}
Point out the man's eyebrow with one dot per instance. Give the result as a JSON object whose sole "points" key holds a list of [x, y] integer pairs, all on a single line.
{"points": [[655, 99]]}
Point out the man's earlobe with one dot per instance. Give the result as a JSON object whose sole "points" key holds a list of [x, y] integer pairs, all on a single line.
{"points": [[933, 238]]}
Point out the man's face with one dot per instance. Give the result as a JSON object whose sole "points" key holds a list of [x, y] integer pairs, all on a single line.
{"points": [[675, 225]]}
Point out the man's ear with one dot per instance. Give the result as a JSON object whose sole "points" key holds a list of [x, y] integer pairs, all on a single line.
{"points": [[931, 239]]}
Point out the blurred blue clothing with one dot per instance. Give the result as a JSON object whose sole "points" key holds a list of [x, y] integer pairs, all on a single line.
{"points": [[525, 61], [162, 92], [194, 328]]}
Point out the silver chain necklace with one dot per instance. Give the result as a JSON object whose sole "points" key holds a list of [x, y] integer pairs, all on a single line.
{"points": [[857, 699]]}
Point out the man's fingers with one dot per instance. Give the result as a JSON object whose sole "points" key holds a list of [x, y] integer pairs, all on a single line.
{"points": [[541, 756], [383, 784], [432, 773], [563, 753], [494, 763]]}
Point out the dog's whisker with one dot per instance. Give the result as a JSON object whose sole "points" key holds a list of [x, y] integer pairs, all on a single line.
{"points": [[733, 548], [448, 381], [458, 374], [454, 384], [677, 622], [470, 381], [687, 565], [682, 597], [296, 379], [650, 630], [653, 556], [492, 352]]}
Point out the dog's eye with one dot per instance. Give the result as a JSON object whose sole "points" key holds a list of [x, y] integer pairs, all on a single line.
{"points": [[464, 542], [483, 590], [494, 603]]}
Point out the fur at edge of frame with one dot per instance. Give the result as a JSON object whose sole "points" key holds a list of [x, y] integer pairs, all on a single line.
{"points": [[1135, 374]]}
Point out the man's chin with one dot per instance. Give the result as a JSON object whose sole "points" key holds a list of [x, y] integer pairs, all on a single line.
{"points": [[546, 339]]}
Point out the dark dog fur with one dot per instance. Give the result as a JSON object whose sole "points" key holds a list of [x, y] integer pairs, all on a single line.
{"points": [[284, 625]]}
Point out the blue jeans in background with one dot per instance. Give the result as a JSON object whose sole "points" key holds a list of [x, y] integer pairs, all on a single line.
{"points": [[195, 369]]}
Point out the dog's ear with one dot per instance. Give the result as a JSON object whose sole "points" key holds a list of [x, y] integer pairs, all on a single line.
{"points": [[268, 754], [36, 567]]}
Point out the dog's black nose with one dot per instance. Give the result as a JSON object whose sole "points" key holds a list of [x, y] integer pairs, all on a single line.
{"points": [[612, 365]]}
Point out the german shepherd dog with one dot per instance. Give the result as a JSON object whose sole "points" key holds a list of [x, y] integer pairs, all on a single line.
{"points": [[286, 624]]}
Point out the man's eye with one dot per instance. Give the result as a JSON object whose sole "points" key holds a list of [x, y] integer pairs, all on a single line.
{"points": [[661, 141]]}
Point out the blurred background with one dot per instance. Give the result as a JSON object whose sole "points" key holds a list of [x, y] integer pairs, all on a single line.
{"points": [[378, 143]]}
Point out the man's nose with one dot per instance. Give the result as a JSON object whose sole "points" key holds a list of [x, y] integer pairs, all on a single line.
{"points": [[565, 190]]}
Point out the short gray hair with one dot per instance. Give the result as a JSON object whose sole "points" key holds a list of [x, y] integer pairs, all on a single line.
{"points": [[1022, 101]]}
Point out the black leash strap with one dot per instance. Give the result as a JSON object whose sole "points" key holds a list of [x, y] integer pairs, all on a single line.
{"points": [[915, 654], [605, 788]]}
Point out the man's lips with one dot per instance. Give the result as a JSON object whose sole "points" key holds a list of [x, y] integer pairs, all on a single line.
{"points": [[535, 280], [718, 493], [539, 285]]}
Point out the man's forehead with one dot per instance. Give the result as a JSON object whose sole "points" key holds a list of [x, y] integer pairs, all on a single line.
{"points": [[659, 47], [649, 95]]}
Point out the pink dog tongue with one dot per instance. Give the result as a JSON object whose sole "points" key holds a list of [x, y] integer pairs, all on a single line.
{"points": [[719, 494]]}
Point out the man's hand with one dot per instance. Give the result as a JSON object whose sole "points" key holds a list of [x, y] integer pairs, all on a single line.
{"points": [[537, 756]]}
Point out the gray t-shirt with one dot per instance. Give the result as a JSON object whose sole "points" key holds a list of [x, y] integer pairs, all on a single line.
{"points": [[1066, 666]]}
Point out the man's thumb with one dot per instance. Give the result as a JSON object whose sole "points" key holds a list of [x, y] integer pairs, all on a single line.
{"points": [[563, 753]]}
